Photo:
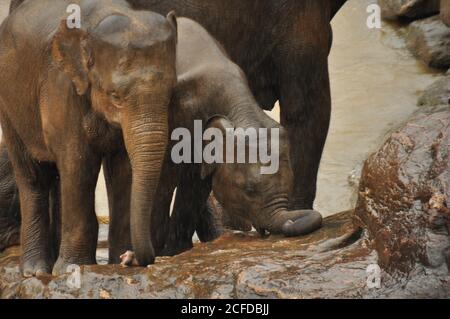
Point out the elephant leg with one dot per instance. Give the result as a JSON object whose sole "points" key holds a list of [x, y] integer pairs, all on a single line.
{"points": [[33, 180], [79, 226], [305, 102], [9, 203], [14, 4], [190, 202], [35, 231], [55, 218], [118, 177]]}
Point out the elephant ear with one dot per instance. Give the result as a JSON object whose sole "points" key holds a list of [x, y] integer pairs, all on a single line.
{"points": [[222, 123], [70, 53], [172, 18]]}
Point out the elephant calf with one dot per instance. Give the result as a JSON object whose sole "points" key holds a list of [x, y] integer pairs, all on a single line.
{"points": [[213, 89], [68, 97]]}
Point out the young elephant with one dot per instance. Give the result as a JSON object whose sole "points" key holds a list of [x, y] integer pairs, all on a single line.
{"points": [[70, 96], [213, 89]]}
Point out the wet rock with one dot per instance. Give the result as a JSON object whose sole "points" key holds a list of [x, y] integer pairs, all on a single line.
{"points": [[445, 12], [410, 9], [437, 94], [331, 263], [354, 177], [405, 196], [429, 40]]}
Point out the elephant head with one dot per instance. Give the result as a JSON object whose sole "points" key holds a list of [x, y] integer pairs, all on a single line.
{"points": [[242, 189], [125, 67]]}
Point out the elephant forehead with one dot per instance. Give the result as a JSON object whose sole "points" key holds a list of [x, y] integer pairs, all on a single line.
{"points": [[143, 74], [112, 25], [138, 31]]}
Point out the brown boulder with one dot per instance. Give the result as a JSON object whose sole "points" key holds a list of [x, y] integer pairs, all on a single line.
{"points": [[437, 93], [429, 40], [405, 195], [410, 9]]}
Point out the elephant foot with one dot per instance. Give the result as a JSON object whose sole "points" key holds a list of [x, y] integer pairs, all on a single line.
{"points": [[61, 267], [301, 202], [35, 267]]}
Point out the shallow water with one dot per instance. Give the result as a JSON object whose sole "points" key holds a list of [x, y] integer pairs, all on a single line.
{"points": [[375, 84], [4, 6]]}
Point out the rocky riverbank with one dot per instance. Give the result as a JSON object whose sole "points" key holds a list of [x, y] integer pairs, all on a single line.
{"points": [[332, 263], [408, 9], [428, 34]]}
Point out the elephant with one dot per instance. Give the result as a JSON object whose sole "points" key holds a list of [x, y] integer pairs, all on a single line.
{"points": [[69, 96], [445, 12], [9, 203], [174, 235], [214, 90], [283, 48]]}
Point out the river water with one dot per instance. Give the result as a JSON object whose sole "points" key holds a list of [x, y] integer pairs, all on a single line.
{"points": [[375, 84]]}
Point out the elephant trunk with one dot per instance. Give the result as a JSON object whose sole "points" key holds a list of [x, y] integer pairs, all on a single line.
{"points": [[146, 135], [295, 223]]}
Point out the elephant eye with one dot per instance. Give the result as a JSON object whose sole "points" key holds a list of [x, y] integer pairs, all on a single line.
{"points": [[250, 189], [115, 99], [113, 95]]}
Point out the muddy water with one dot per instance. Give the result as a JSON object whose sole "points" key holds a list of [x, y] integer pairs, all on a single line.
{"points": [[4, 6], [375, 83]]}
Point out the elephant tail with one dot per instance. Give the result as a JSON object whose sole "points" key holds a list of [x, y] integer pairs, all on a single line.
{"points": [[336, 5]]}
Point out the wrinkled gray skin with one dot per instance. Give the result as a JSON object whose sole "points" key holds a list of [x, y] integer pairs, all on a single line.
{"points": [[213, 89], [79, 95], [9, 203]]}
